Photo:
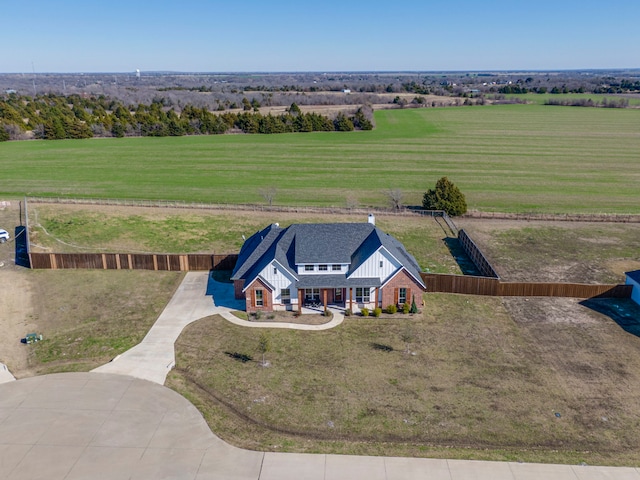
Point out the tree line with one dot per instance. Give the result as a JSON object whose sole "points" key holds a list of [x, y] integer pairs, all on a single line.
{"points": [[54, 117]]}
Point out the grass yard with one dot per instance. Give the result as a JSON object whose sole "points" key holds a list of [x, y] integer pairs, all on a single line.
{"points": [[69, 228], [512, 158], [87, 317], [558, 252], [479, 385]]}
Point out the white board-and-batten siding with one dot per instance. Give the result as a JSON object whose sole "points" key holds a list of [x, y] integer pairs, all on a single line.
{"points": [[371, 267], [279, 279]]}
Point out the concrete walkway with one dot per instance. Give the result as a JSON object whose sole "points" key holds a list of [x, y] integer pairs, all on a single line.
{"points": [[92, 426], [111, 425]]}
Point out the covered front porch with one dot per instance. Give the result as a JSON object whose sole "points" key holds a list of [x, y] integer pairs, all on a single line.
{"points": [[314, 296]]}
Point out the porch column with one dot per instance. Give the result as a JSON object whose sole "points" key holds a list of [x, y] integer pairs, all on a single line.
{"points": [[324, 299], [350, 299], [300, 299]]}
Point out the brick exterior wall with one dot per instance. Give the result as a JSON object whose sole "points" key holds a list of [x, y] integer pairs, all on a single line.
{"points": [[401, 280], [267, 297], [238, 286]]}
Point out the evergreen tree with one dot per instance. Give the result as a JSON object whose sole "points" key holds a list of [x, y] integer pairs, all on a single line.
{"points": [[446, 196], [342, 123]]}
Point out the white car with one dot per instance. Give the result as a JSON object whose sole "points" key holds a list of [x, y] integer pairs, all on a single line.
{"points": [[4, 235]]}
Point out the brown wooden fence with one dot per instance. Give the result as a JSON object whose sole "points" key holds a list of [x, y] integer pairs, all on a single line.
{"points": [[133, 261], [476, 255], [469, 285]]}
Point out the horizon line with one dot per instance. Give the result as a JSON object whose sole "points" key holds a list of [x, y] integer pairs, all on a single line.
{"points": [[327, 72]]}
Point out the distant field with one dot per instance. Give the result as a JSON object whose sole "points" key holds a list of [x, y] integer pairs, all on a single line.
{"points": [[541, 99], [514, 158]]}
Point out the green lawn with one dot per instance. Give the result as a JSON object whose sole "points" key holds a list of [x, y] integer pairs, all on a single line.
{"points": [[515, 158]]}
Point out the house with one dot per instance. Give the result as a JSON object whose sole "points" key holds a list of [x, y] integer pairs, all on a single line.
{"points": [[351, 265], [633, 278]]}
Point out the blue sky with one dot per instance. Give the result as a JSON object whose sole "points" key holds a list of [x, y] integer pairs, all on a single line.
{"points": [[273, 36]]}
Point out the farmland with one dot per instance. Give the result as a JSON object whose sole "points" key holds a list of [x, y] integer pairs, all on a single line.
{"points": [[512, 158]]}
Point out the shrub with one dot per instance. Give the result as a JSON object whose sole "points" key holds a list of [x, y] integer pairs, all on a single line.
{"points": [[258, 314], [405, 307], [347, 312], [377, 312], [392, 309], [364, 312]]}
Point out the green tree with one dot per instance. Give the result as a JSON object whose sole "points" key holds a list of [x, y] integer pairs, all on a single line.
{"points": [[446, 196], [414, 307], [342, 123], [294, 109], [118, 130]]}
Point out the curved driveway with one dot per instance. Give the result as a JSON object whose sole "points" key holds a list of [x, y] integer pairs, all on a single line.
{"points": [[93, 426]]}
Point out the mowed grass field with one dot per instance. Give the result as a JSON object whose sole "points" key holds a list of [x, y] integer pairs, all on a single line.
{"points": [[513, 158]]}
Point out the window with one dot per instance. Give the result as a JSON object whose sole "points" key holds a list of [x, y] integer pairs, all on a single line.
{"points": [[275, 270], [362, 294], [309, 268], [312, 294], [381, 264], [285, 296], [336, 268], [402, 295], [323, 268], [259, 298], [338, 295]]}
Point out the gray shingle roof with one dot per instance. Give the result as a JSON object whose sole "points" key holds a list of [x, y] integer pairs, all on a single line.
{"points": [[329, 243]]}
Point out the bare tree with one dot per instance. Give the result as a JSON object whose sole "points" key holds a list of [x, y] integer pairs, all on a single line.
{"points": [[264, 345], [395, 198], [407, 336], [269, 194], [351, 202]]}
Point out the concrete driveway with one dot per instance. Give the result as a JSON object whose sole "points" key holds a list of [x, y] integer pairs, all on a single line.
{"points": [[90, 426]]}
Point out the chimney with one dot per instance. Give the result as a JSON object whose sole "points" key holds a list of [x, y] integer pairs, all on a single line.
{"points": [[372, 219]]}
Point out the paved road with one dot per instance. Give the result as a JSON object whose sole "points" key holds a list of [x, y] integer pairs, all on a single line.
{"points": [[90, 426], [119, 422]]}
